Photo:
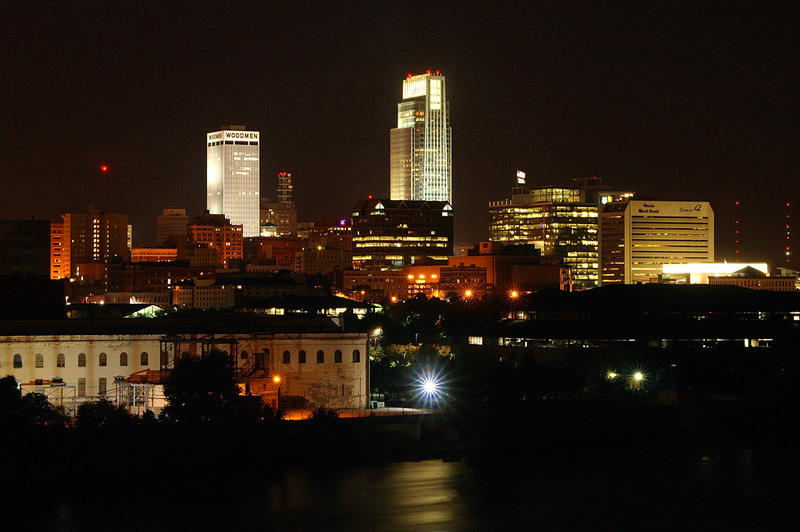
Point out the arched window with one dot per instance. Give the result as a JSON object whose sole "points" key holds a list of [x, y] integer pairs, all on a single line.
{"points": [[61, 360], [123, 359], [287, 357], [81, 360], [103, 359], [17, 361], [320, 356], [144, 360], [243, 355], [39, 360], [337, 357], [301, 357], [356, 355]]}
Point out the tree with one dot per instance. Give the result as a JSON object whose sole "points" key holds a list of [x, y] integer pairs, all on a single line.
{"points": [[201, 389], [103, 414]]}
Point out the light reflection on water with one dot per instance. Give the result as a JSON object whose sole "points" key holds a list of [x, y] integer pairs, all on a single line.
{"points": [[402, 496]]}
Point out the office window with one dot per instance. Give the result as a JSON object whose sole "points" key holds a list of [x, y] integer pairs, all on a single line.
{"points": [[39, 360], [320, 356], [301, 357], [144, 360], [103, 359], [18, 361], [287, 357], [81, 360], [337, 357], [81, 387], [61, 360], [356, 355], [123, 359]]}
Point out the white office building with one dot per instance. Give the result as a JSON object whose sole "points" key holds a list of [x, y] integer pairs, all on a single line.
{"points": [[639, 237], [421, 151], [233, 183]]}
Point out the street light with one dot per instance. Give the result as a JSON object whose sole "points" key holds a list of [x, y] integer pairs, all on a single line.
{"points": [[277, 380]]}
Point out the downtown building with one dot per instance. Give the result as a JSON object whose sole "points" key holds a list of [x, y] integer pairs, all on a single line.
{"points": [[420, 145], [232, 181], [388, 234], [639, 237], [560, 223], [90, 240]]}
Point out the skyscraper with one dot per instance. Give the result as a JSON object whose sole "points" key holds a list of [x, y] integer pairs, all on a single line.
{"points": [[232, 170], [421, 152]]}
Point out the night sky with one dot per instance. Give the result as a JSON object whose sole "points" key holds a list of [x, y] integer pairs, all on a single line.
{"points": [[675, 100]]}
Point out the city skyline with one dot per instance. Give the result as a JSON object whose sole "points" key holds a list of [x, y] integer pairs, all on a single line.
{"points": [[674, 101]]}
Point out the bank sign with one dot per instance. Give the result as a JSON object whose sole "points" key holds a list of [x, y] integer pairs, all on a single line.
{"points": [[233, 135], [671, 208]]}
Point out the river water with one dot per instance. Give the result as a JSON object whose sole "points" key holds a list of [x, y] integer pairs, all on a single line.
{"points": [[650, 491]]}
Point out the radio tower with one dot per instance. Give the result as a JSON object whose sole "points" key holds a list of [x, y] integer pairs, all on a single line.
{"points": [[788, 236]]}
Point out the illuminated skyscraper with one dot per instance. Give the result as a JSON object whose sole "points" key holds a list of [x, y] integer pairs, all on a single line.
{"points": [[232, 170], [421, 152]]}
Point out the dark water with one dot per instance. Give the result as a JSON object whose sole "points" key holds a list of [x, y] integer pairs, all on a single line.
{"points": [[653, 491]]}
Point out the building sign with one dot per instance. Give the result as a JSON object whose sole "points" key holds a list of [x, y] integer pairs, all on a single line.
{"points": [[672, 208], [521, 177], [233, 135]]}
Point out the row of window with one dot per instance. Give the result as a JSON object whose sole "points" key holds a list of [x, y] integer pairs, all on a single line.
{"points": [[61, 359], [144, 358], [337, 357]]}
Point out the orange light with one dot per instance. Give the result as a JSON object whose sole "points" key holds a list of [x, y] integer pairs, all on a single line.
{"points": [[276, 379]]}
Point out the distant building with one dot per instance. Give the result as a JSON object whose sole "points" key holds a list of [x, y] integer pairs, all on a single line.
{"points": [[285, 189], [420, 148], [389, 233], [202, 294], [702, 272], [153, 254], [92, 237], [25, 247], [321, 260], [560, 222], [641, 236], [277, 251], [515, 268], [217, 233], [277, 219], [233, 184], [754, 279], [59, 261], [171, 225], [374, 285]]}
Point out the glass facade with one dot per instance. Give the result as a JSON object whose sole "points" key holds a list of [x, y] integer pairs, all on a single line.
{"points": [[232, 180], [420, 146], [556, 222]]}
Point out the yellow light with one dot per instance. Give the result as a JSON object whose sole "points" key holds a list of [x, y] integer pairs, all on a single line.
{"points": [[638, 376], [276, 379], [514, 293], [612, 375]]}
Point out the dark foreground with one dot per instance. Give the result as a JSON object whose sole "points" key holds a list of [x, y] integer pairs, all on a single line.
{"points": [[552, 466]]}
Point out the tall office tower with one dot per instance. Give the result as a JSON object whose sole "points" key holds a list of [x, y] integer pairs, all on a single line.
{"points": [[232, 176], [421, 152], [171, 223], [285, 188], [93, 237]]}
